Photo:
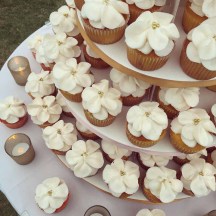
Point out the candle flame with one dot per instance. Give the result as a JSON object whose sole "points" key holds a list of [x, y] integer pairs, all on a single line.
{"points": [[20, 150]]}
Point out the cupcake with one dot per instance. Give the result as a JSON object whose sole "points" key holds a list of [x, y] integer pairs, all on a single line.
{"points": [[147, 161], [44, 111], [13, 112], [34, 44], [181, 160], [192, 131], [84, 132], [122, 177], [146, 124], [161, 185], [71, 78], [132, 90], [52, 195], [64, 20], [198, 55], [60, 137], [149, 44], [196, 12], [105, 21], [154, 212], [211, 158], [79, 3], [198, 178], [92, 58], [40, 85], [112, 151], [101, 104], [85, 158], [136, 7], [175, 100]]}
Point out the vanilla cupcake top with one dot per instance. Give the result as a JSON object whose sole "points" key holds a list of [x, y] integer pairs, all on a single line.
{"points": [[163, 184], [64, 20], [42, 58], [51, 194], [147, 4], [100, 100], [194, 156], [154, 212], [128, 85], [152, 32], [80, 127], [204, 8], [195, 127], [213, 157], [60, 136], [71, 76], [147, 119], [154, 160], [12, 109], [198, 176], [70, 3], [180, 98], [40, 84], [121, 177], [202, 46], [61, 101], [90, 52], [85, 158], [44, 110], [35, 42], [105, 14], [113, 151]]}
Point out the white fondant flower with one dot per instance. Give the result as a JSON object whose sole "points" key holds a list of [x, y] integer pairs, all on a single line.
{"points": [[121, 177], [61, 101], [152, 31], [72, 77], [85, 158], [51, 194], [147, 120], [82, 128], [128, 85], [35, 42], [44, 110], [105, 14], [154, 212], [163, 184], [60, 136], [90, 52], [194, 156], [213, 110], [154, 160], [147, 4], [195, 127], [213, 157], [42, 58], [101, 100], [180, 98], [71, 3], [11, 109], [198, 176]]}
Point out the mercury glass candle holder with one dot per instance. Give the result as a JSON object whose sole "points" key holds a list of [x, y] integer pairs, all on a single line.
{"points": [[20, 149], [97, 211], [20, 69]]}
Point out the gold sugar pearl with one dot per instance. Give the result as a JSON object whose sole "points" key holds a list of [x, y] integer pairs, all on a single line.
{"points": [[155, 25], [196, 121]]}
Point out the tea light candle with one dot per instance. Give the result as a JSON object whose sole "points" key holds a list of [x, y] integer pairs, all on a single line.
{"points": [[97, 211], [20, 149]]}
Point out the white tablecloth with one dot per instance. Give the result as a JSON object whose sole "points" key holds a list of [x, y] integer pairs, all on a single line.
{"points": [[19, 182]]}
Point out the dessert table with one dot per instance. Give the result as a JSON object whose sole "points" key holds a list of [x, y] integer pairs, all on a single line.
{"points": [[18, 182]]}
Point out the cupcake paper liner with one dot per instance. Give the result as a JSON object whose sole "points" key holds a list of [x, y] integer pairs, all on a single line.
{"points": [[63, 205], [79, 3], [72, 97], [130, 100], [140, 162], [187, 192], [110, 160], [68, 114], [46, 124], [79, 38], [180, 161], [58, 152], [152, 198], [87, 136], [22, 121]]}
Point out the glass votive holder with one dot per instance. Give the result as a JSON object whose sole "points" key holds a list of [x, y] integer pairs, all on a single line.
{"points": [[211, 213], [97, 210], [20, 69], [19, 148]]}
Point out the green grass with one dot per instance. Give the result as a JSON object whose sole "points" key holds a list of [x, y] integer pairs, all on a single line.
{"points": [[19, 18]]}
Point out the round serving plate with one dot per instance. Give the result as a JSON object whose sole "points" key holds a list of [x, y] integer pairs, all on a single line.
{"points": [[170, 75]]}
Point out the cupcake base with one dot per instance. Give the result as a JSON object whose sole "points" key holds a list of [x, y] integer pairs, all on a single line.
{"points": [[131, 101], [152, 198], [47, 68], [79, 4], [87, 136], [110, 160], [63, 205], [188, 192], [180, 161], [57, 152], [79, 38], [46, 124], [72, 97], [22, 121], [140, 162], [68, 114]]}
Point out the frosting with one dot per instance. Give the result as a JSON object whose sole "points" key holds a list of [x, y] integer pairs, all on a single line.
{"points": [[113, 151], [70, 3], [35, 42], [42, 58], [105, 14], [100, 100], [213, 111], [64, 20], [147, 4], [121, 177], [213, 157], [60, 136], [152, 32], [180, 98], [202, 46], [154, 212], [198, 176], [40, 85], [72, 77], [195, 127], [61, 101], [85, 158], [128, 85], [12, 109], [154, 160], [147, 120], [80, 127], [44, 110], [204, 7], [194, 156], [163, 184], [51, 194], [90, 52]]}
